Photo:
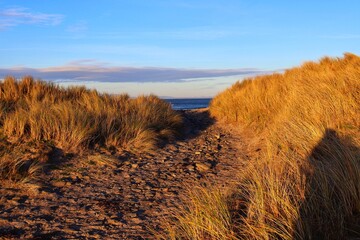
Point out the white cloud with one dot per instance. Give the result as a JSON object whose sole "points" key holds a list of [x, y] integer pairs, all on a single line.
{"points": [[91, 70], [12, 17]]}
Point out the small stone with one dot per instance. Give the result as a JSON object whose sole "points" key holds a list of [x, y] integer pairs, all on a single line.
{"points": [[137, 179], [86, 178], [191, 168], [136, 220], [202, 167], [114, 221], [135, 165], [59, 184], [197, 153], [75, 179], [12, 202]]}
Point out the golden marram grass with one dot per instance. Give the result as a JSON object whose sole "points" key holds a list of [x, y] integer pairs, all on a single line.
{"points": [[305, 183], [76, 119]]}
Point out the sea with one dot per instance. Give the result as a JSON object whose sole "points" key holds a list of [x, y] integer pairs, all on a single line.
{"points": [[188, 103]]}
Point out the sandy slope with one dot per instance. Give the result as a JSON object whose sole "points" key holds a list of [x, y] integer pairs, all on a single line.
{"points": [[105, 196]]}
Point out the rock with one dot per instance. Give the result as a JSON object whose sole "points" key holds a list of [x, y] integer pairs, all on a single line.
{"points": [[135, 165], [114, 221], [197, 153], [126, 175], [86, 178], [75, 179], [191, 168], [13, 202], [203, 167], [60, 184], [126, 163], [137, 179]]}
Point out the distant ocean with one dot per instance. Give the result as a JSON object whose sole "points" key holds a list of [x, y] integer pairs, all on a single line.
{"points": [[189, 103]]}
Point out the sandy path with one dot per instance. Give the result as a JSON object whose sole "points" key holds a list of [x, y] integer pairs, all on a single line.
{"points": [[104, 196]]}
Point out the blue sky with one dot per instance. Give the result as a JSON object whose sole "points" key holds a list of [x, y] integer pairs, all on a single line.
{"points": [[179, 48]]}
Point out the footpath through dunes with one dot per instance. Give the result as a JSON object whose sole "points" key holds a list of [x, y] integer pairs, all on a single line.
{"points": [[104, 196]]}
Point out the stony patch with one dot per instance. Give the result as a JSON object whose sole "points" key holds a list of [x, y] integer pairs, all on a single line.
{"points": [[121, 197]]}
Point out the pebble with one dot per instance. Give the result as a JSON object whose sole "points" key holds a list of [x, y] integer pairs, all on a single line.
{"points": [[190, 168], [60, 184], [202, 167], [135, 165]]}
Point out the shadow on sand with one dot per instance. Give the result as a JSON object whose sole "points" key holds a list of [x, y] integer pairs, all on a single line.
{"points": [[195, 121]]}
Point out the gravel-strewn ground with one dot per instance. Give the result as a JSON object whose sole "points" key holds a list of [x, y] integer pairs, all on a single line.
{"points": [[104, 196]]}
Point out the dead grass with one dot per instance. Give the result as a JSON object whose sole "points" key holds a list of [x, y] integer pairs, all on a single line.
{"points": [[76, 119], [206, 216], [22, 162], [305, 184]]}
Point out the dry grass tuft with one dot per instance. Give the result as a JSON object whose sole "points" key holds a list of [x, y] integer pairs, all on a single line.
{"points": [[21, 162], [207, 216], [305, 184], [75, 119]]}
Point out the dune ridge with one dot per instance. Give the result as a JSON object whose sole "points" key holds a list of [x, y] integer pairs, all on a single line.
{"points": [[303, 177]]}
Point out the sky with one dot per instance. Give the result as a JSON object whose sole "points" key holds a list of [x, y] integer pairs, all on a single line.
{"points": [[171, 48]]}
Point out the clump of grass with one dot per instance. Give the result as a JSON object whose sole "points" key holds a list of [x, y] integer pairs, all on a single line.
{"points": [[207, 216], [21, 162], [75, 119], [305, 184]]}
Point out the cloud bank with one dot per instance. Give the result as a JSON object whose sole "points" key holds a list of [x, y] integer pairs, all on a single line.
{"points": [[12, 17], [92, 71]]}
